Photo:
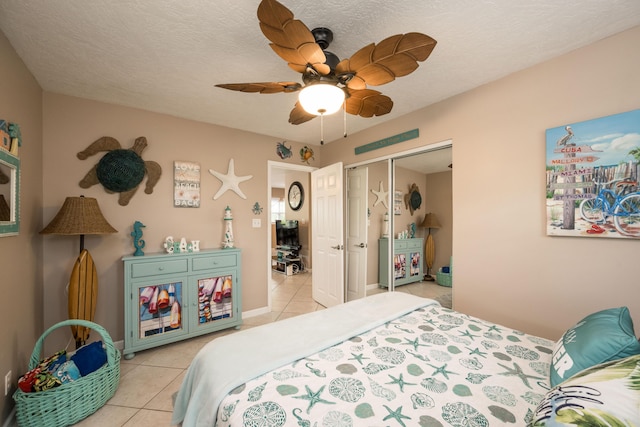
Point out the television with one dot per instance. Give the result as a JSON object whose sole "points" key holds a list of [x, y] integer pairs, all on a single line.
{"points": [[287, 234]]}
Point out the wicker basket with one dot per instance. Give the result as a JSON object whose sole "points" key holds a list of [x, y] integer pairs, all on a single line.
{"points": [[69, 403], [444, 279]]}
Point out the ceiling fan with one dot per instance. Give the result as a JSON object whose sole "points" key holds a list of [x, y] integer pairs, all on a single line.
{"points": [[305, 52]]}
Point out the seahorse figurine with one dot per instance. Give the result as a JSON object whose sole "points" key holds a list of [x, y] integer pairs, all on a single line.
{"points": [[138, 243]]}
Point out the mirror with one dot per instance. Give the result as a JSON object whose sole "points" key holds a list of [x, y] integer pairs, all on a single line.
{"points": [[9, 194], [396, 172]]}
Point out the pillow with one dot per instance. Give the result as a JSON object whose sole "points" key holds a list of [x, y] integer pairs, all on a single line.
{"points": [[603, 395], [600, 337]]}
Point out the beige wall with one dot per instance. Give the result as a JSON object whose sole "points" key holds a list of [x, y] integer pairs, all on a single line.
{"points": [[404, 178], [21, 263], [71, 124], [437, 199], [506, 269]]}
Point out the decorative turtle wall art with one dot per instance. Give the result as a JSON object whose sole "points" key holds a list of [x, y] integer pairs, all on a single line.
{"points": [[413, 199], [120, 170]]}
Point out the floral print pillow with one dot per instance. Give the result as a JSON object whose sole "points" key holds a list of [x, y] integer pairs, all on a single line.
{"points": [[605, 395]]}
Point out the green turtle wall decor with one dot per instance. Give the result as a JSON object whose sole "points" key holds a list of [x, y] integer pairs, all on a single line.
{"points": [[413, 199], [120, 170]]}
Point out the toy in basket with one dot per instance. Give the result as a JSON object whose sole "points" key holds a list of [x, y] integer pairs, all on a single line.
{"points": [[444, 276], [72, 401]]}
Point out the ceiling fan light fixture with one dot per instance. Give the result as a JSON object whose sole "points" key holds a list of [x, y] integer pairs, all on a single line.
{"points": [[321, 98]]}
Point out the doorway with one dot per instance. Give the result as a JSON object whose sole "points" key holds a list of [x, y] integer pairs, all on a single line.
{"points": [[280, 177]]}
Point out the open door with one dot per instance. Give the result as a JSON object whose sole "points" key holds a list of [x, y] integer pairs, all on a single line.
{"points": [[327, 217]]}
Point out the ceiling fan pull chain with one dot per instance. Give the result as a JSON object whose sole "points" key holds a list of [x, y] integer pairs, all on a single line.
{"points": [[321, 129], [344, 110]]}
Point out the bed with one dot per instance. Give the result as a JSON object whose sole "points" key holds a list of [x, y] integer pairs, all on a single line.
{"points": [[391, 359]]}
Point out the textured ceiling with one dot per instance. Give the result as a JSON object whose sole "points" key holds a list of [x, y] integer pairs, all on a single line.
{"points": [[167, 55]]}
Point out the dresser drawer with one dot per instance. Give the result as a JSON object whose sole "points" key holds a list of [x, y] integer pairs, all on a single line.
{"points": [[414, 244], [218, 261], [155, 268], [399, 245]]}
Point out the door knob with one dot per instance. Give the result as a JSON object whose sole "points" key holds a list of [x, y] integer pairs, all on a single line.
{"points": [[337, 247], [361, 245]]}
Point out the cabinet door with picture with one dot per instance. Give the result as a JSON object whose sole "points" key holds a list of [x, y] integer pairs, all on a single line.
{"points": [[158, 311], [215, 295]]}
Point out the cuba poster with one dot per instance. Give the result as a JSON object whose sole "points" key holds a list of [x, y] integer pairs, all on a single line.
{"points": [[592, 174]]}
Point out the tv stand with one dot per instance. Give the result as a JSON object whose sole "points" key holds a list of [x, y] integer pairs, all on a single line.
{"points": [[288, 260]]}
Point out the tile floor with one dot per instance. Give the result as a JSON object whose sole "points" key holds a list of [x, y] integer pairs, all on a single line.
{"points": [[150, 379]]}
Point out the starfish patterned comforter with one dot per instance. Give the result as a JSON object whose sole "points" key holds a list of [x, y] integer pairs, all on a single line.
{"points": [[430, 366]]}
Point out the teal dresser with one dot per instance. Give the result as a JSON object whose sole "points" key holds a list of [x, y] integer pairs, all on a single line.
{"points": [[406, 261], [172, 297]]}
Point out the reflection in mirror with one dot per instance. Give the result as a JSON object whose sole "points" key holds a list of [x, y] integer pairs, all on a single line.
{"points": [[9, 194], [5, 193], [383, 177], [366, 206]]}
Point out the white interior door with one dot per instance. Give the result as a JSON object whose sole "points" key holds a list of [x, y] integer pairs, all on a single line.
{"points": [[356, 247], [327, 217]]}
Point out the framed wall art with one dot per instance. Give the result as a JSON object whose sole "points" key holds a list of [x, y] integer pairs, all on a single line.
{"points": [[186, 184], [592, 174], [397, 202]]}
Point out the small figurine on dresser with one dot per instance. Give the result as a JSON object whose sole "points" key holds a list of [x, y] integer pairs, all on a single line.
{"points": [[228, 233], [138, 243]]}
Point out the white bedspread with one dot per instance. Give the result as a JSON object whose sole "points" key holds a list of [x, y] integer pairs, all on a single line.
{"points": [[232, 360]]}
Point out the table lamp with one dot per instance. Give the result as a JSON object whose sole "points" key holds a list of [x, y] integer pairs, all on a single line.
{"points": [[430, 221], [80, 216]]}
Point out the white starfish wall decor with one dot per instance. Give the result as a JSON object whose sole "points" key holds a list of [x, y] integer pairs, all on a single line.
{"points": [[230, 181], [381, 196]]}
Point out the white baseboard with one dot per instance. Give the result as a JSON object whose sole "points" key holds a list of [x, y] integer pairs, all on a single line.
{"points": [[373, 287], [245, 314], [255, 312], [11, 419]]}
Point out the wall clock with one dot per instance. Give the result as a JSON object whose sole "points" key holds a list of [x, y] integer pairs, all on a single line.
{"points": [[296, 196]]}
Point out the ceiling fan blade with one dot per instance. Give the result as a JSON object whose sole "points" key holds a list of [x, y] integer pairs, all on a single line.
{"points": [[367, 103], [299, 115], [263, 87], [290, 38], [395, 56], [300, 57]]}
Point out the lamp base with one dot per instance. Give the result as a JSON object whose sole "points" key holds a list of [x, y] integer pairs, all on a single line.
{"points": [[428, 278]]}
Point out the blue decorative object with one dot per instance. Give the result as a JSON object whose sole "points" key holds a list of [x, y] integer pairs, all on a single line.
{"points": [[257, 209], [16, 137], [283, 151], [137, 238], [412, 230]]}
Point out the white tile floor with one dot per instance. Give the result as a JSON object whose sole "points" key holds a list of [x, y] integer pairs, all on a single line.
{"points": [[150, 379]]}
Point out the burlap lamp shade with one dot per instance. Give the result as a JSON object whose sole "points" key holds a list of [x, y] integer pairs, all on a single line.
{"points": [[80, 216]]}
